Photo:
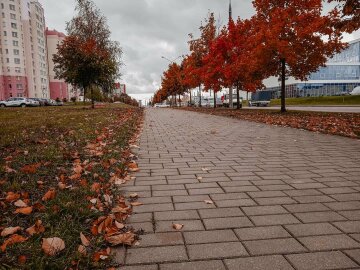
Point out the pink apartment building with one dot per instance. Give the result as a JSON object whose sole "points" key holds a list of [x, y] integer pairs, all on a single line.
{"points": [[26, 51], [58, 88], [23, 53]]}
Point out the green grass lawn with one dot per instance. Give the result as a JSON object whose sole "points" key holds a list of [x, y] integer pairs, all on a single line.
{"points": [[39, 149], [320, 101]]}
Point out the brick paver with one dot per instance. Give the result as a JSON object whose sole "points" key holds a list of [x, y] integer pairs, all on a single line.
{"points": [[280, 198]]}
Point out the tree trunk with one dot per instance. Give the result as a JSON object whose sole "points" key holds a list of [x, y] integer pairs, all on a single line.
{"points": [[92, 98], [238, 97], [247, 97], [190, 98], [214, 99], [231, 103], [283, 78], [200, 95], [179, 100]]}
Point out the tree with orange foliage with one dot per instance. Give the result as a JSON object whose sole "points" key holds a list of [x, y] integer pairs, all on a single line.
{"points": [[350, 18], [242, 70], [88, 57], [291, 38], [172, 81], [199, 48]]}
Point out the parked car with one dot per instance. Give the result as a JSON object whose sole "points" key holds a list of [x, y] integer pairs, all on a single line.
{"points": [[356, 91], [40, 100], [160, 105], [19, 102]]}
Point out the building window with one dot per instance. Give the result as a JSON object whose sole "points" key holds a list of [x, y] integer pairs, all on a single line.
{"points": [[14, 34], [16, 52], [15, 43], [17, 60], [12, 7], [18, 70], [13, 25], [5, 33], [13, 16], [19, 86], [2, 5]]}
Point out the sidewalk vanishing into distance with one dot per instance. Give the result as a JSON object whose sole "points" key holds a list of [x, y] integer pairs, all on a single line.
{"points": [[250, 196]]}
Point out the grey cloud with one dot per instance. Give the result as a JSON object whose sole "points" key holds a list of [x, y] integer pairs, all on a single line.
{"points": [[149, 29]]}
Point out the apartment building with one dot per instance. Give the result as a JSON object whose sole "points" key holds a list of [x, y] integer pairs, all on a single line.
{"points": [[23, 53], [58, 88]]}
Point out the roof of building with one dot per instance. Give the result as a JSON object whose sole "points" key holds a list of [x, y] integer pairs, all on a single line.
{"points": [[54, 33]]}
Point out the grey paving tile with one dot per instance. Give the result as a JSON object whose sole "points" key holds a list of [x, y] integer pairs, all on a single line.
{"points": [[156, 255], [329, 242], [259, 263], [216, 236], [312, 229], [321, 261], [216, 251], [260, 233], [220, 212], [199, 265], [227, 223], [274, 246]]}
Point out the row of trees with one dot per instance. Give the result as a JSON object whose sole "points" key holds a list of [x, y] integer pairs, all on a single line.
{"points": [[284, 38], [88, 59]]}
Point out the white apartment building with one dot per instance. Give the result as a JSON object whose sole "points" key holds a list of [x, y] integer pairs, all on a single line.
{"points": [[23, 52]]}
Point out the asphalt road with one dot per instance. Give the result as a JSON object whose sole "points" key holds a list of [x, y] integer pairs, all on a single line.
{"points": [[345, 109]]}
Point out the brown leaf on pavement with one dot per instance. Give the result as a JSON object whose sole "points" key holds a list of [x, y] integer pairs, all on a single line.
{"points": [[11, 196], [209, 202], [136, 203], [178, 227], [121, 239]]}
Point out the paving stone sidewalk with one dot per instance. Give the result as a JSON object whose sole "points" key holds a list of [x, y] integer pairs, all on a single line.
{"points": [[283, 198]]}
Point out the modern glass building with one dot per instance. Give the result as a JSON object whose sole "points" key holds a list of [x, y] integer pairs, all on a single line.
{"points": [[339, 77]]}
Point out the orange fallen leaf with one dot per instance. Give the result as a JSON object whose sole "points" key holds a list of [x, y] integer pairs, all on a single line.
{"points": [[24, 211], [30, 169], [11, 196], [84, 240], [13, 239], [22, 259], [10, 230], [52, 246], [133, 196], [177, 227], [37, 228], [82, 250], [136, 203], [50, 195], [121, 239]]}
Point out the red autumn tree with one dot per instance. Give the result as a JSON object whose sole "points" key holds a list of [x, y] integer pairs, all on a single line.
{"points": [[199, 48], [292, 38], [350, 15], [242, 69], [172, 81]]}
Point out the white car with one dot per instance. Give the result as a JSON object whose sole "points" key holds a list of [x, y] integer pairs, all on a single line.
{"points": [[19, 102], [356, 91], [160, 105]]}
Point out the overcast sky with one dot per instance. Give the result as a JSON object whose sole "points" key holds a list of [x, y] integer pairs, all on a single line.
{"points": [[150, 29]]}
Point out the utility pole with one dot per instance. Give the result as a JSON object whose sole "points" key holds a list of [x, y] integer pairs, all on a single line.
{"points": [[231, 104]]}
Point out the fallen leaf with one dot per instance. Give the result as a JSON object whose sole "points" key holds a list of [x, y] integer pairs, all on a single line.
{"points": [[50, 195], [9, 170], [10, 230], [82, 250], [84, 240], [199, 178], [124, 238], [209, 202], [24, 211], [136, 203], [134, 196], [61, 186], [22, 259], [52, 246], [178, 227], [37, 228], [20, 203], [11, 196], [13, 239], [30, 169], [119, 225]]}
